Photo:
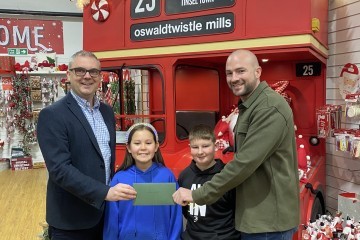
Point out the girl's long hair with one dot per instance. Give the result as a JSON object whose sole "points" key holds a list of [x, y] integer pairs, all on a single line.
{"points": [[129, 160]]}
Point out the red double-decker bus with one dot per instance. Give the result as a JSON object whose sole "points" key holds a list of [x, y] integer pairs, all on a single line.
{"points": [[170, 58]]}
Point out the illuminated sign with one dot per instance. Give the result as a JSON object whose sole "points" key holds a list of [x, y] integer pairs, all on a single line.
{"points": [[183, 27], [17, 51], [309, 69], [182, 6]]}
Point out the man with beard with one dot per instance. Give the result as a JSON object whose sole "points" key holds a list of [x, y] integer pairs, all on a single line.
{"points": [[264, 170]]}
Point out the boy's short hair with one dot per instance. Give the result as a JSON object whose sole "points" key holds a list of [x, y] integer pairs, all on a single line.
{"points": [[202, 131]]}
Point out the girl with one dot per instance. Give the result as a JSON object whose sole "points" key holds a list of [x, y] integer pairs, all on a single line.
{"points": [[143, 163]]}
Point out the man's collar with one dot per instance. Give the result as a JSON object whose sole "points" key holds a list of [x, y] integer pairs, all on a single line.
{"points": [[254, 95], [85, 102]]}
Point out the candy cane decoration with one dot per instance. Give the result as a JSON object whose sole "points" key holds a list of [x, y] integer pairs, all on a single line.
{"points": [[279, 87], [100, 10]]}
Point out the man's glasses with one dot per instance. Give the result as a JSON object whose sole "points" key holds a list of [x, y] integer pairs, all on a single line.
{"points": [[80, 72]]}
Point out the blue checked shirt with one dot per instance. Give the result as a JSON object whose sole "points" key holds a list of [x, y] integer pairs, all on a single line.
{"points": [[96, 121]]}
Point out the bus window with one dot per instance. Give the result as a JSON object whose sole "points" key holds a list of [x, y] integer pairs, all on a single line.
{"points": [[137, 97], [197, 98]]}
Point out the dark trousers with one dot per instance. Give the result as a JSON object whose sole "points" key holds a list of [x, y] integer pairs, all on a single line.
{"points": [[94, 233], [286, 235]]}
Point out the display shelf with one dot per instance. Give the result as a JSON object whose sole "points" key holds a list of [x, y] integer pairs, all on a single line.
{"points": [[32, 91], [42, 73]]}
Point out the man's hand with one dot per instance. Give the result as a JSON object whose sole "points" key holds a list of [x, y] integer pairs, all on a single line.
{"points": [[121, 192], [183, 196]]}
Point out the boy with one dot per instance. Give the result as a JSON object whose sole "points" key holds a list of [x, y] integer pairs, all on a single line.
{"points": [[210, 222]]}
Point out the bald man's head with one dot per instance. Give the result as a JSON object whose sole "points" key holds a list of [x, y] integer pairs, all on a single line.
{"points": [[242, 73], [246, 55]]}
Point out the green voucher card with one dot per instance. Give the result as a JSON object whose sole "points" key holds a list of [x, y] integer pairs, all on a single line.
{"points": [[154, 193]]}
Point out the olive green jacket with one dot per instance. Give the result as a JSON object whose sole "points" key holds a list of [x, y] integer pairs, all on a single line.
{"points": [[264, 170]]}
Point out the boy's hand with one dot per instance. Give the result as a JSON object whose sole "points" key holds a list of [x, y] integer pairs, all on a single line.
{"points": [[183, 196]]}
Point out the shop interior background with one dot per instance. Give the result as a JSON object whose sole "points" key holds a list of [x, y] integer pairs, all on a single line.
{"points": [[343, 172]]}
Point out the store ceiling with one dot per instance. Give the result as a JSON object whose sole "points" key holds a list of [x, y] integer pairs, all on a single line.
{"points": [[41, 5]]}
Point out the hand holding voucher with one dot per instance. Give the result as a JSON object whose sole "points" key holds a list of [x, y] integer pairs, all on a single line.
{"points": [[183, 196], [121, 192]]}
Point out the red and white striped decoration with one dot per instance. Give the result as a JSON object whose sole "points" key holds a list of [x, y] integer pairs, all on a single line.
{"points": [[280, 87], [100, 10], [108, 97]]}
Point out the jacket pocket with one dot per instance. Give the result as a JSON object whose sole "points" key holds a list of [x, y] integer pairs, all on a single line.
{"points": [[241, 131]]}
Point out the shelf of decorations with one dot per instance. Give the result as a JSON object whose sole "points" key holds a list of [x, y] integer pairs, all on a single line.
{"points": [[45, 72], [19, 127], [30, 93], [33, 85]]}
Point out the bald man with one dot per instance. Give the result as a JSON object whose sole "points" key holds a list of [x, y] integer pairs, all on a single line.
{"points": [[264, 170]]}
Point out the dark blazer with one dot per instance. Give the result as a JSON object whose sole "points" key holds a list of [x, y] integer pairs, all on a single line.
{"points": [[76, 187]]}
